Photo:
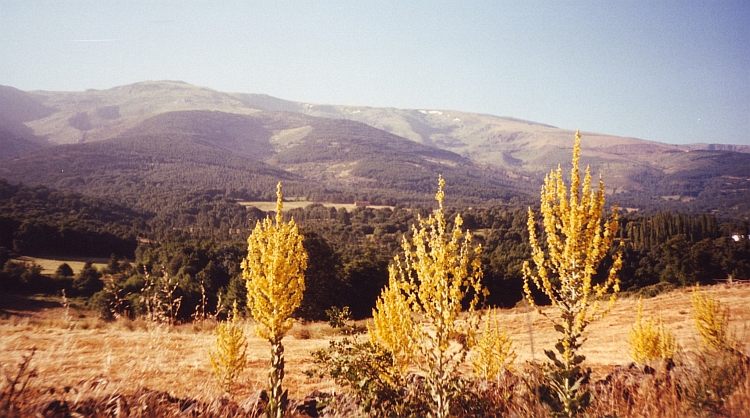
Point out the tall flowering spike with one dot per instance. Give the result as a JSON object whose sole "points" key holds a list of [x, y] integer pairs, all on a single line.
{"points": [[578, 237], [279, 204], [274, 273], [439, 271], [440, 195]]}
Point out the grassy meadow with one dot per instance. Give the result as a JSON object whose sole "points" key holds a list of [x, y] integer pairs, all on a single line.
{"points": [[50, 265], [80, 357]]}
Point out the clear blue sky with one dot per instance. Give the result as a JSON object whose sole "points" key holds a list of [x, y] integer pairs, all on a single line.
{"points": [[669, 71]]}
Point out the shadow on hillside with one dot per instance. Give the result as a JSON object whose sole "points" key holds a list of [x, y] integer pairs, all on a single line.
{"points": [[17, 305]]}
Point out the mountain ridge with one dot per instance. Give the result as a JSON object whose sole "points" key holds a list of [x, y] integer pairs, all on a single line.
{"points": [[366, 146]]}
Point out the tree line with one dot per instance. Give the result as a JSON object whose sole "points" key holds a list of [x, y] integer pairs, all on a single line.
{"points": [[200, 247]]}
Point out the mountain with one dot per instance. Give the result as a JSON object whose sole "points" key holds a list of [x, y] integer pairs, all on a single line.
{"points": [[507, 143], [16, 109], [176, 134], [181, 151]]}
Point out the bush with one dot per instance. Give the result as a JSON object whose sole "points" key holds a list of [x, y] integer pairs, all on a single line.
{"points": [[25, 278], [64, 271], [368, 369], [87, 282]]}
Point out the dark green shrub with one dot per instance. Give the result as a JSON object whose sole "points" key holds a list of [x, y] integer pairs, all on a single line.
{"points": [[368, 370], [64, 271]]}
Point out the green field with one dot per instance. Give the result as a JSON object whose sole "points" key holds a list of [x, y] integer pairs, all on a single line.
{"points": [[50, 265], [268, 206]]}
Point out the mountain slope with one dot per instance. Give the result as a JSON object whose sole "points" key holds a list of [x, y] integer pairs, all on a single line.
{"points": [[141, 170], [191, 150], [95, 115], [363, 149]]}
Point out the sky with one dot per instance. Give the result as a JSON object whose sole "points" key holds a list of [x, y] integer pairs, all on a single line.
{"points": [[668, 71]]}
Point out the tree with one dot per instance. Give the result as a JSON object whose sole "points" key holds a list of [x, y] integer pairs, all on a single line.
{"points": [[88, 281], [323, 286], [578, 238], [440, 272], [274, 273], [64, 270]]}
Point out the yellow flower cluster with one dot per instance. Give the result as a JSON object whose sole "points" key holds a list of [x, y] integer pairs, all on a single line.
{"points": [[494, 351], [649, 341], [578, 239], [274, 273], [417, 315]]}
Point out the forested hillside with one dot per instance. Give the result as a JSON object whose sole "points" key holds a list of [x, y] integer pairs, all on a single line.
{"points": [[38, 220], [199, 247]]}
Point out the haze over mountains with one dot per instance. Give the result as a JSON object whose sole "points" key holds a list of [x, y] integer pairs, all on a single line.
{"points": [[172, 134]]}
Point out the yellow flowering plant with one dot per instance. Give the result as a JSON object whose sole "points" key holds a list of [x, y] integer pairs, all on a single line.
{"points": [[417, 314], [712, 321], [649, 341], [494, 351], [274, 274], [228, 358], [578, 238]]}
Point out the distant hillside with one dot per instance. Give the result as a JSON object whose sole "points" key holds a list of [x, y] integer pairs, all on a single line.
{"points": [[17, 140], [17, 108], [141, 170], [248, 154], [95, 115], [344, 150]]}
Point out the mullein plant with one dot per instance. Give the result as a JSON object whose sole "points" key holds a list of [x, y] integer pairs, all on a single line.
{"points": [[274, 273], [712, 321], [417, 315], [228, 358], [578, 237], [720, 367], [649, 341], [494, 351]]}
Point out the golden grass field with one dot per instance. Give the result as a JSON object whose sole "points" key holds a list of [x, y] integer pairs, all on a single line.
{"points": [[78, 351]]}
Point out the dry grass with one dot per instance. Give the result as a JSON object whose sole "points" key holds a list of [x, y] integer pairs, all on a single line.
{"points": [[606, 343], [78, 354], [132, 354]]}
